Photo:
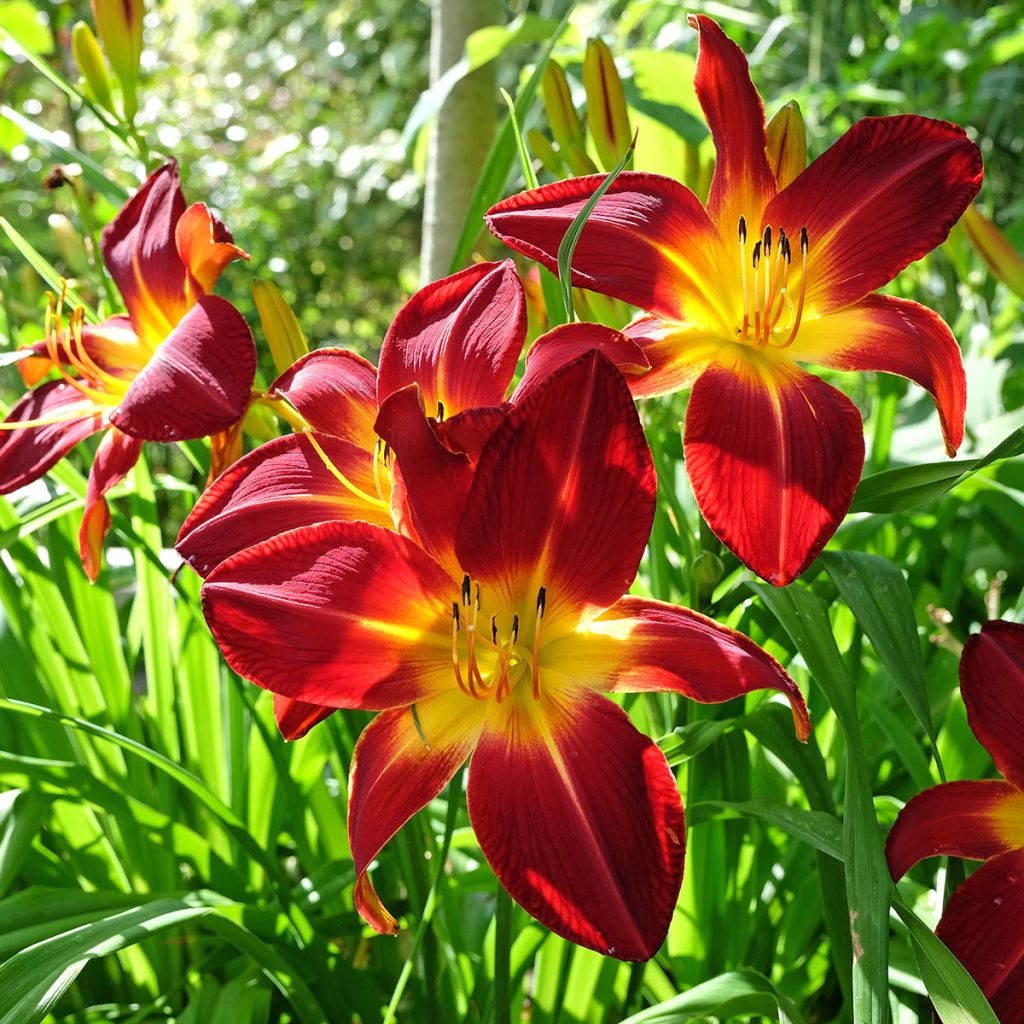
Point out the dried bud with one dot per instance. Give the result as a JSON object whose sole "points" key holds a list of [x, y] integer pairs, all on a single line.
{"points": [[787, 144], [89, 58], [607, 117], [284, 335], [995, 249]]}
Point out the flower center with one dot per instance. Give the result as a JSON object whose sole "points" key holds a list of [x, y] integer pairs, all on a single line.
{"points": [[488, 661], [770, 316]]}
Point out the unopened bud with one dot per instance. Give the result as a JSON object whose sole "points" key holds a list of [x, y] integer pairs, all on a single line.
{"points": [[706, 570], [89, 58], [995, 249], [540, 146], [787, 144], [119, 26], [578, 161], [70, 244], [562, 117], [607, 117], [283, 333]]}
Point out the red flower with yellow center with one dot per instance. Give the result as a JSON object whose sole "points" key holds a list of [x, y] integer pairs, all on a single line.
{"points": [[771, 275], [492, 639], [983, 821], [179, 366]]}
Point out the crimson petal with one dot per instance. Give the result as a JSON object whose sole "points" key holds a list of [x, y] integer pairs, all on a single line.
{"points": [[28, 452], [774, 456], [336, 614], [335, 392], [458, 338], [567, 483], [115, 457], [295, 717], [881, 197], [960, 819], [648, 241], [199, 380], [982, 926], [580, 817], [280, 486], [992, 684]]}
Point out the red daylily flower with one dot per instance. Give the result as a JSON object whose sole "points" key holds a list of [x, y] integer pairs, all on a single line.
{"points": [[459, 339], [494, 641], [762, 280], [179, 366], [982, 821]]}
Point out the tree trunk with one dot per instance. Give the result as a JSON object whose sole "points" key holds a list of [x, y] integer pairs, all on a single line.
{"points": [[461, 133]]}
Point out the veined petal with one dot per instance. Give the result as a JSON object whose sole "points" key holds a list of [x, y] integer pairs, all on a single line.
{"points": [[295, 717], [960, 819], [140, 252], [458, 338], [639, 645], [198, 381], [566, 343], [338, 614], [563, 497], [282, 485], [115, 456], [774, 456], [434, 481], [648, 241], [205, 246], [677, 353], [992, 684], [28, 452], [468, 431], [881, 197], [743, 182], [399, 765], [112, 345], [580, 817], [893, 335], [981, 925], [335, 391]]}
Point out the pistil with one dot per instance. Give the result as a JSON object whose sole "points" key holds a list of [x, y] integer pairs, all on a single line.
{"points": [[804, 246], [743, 275]]}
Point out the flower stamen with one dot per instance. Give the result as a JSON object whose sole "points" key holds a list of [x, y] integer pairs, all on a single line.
{"points": [[743, 275], [804, 246], [542, 596]]}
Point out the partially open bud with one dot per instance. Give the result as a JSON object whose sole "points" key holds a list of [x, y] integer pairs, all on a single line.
{"points": [[995, 249], [787, 144], [540, 146], [566, 127], [89, 58], [284, 335], [119, 25], [70, 244], [607, 117]]}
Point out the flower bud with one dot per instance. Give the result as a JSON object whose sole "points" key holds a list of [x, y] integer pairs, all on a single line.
{"points": [[562, 117], [706, 570], [119, 26], [284, 335], [607, 117], [70, 244], [578, 161], [787, 144], [995, 249], [540, 146], [89, 58]]}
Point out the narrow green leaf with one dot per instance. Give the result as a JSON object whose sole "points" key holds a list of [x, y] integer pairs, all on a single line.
{"points": [[21, 816], [44, 268]]}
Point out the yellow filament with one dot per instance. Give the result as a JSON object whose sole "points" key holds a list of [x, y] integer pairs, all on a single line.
{"points": [[46, 421], [800, 302], [536, 657], [82, 361], [743, 279], [341, 478], [455, 653]]}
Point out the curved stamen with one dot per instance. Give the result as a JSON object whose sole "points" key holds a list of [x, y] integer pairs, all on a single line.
{"points": [[804, 246], [757, 293], [743, 275], [455, 648], [341, 478], [542, 596]]}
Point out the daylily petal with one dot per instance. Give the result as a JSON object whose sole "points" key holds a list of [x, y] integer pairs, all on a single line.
{"points": [[743, 182], [280, 486], [458, 338], [563, 496], [335, 391], [399, 765], [338, 614], [881, 197], [205, 246], [580, 817], [295, 717], [648, 241], [140, 252], [895, 336], [774, 456], [198, 381], [959, 819], [992, 684], [639, 645], [115, 456], [981, 925], [112, 345], [568, 342], [434, 481], [468, 431], [28, 452], [677, 353]]}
